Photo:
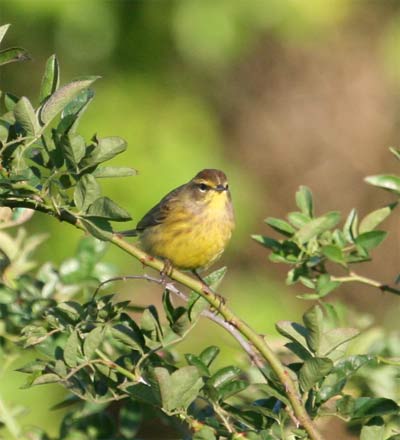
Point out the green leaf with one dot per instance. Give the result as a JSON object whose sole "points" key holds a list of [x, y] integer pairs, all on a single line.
{"points": [[374, 218], [25, 115], [325, 285], [198, 363], [46, 378], [350, 226], [298, 219], [317, 226], [97, 227], [385, 181], [86, 192], [63, 96], [395, 152], [223, 376], [130, 419], [114, 172], [208, 355], [313, 370], [340, 373], [267, 242], [13, 55], [128, 337], [293, 331], [72, 113], [93, 341], [205, 433], [333, 253], [50, 80], [105, 149], [231, 388], [3, 31], [10, 101], [73, 148], [334, 338], [105, 208], [304, 201], [364, 407], [280, 226], [179, 389], [373, 430], [371, 239], [72, 350], [313, 320]]}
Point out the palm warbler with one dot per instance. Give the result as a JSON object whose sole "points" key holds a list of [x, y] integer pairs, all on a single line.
{"points": [[190, 227]]}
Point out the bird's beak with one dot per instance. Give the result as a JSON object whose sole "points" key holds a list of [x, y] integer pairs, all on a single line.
{"points": [[220, 188]]}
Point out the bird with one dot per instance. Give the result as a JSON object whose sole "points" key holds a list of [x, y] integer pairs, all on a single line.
{"points": [[190, 227]]}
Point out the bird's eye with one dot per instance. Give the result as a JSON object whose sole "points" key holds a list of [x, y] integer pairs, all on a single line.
{"points": [[203, 187]]}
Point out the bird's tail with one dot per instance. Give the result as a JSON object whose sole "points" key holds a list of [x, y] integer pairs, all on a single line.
{"points": [[129, 233]]}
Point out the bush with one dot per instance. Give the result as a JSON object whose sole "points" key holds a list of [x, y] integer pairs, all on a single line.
{"points": [[118, 367]]}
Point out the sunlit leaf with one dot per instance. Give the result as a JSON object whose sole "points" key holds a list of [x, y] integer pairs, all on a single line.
{"points": [[106, 208], [63, 96], [13, 55], [51, 78], [317, 226], [373, 219], [371, 239], [304, 201], [25, 115], [280, 226], [385, 181]]}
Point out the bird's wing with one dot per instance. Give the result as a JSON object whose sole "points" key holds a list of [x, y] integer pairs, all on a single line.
{"points": [[160, 212]]}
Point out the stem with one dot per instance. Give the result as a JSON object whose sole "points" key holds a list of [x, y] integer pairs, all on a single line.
{"points": [[9, 421], [354, 277], [117, 367], [214, 300]]}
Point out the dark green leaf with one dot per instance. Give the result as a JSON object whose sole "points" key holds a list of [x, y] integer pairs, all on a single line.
{"points": [[313, 370], [371, 239], [325, 285], [304, 201], [127, 336], [63, 96], [363, 407], [12, 55], [313, 320], [293, 331], [317, 226], [130, 418], [340, 373], [198, 363], [93, 341], [105, 149], [98, 227], [114, 172], [374, 218], [280, 226], [50, 80], [223, 376], [86, 192], [105, 208], [209, 354], [73, 112], [26, 117], [231, 388], [73, 148], [72, 350], [267, 242]]}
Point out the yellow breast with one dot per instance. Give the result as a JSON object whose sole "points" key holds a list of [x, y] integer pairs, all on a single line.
{"points": [[192, 240]]}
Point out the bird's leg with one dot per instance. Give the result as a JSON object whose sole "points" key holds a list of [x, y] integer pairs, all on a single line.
{"points": [[166, 271], [207, 288]]}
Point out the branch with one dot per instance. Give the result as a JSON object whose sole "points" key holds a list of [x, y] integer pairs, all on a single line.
{"points": [[354, 277], [256, 340]]}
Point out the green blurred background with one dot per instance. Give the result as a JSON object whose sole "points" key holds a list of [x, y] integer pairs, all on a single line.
{"points": [[277, 93]]}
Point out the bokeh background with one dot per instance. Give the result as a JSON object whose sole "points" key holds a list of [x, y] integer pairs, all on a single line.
{"points": [[277, 93]]}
